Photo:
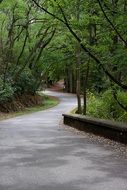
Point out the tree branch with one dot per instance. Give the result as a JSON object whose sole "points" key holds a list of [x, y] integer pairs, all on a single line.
{"points": [[65, 21], [111, 23], [23, 47], [43, 46], [119, 103]]}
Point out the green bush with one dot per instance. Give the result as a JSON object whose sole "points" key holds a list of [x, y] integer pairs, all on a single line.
{"points": [[7, 92], [94, 106], [26, 83], [106, 106]]}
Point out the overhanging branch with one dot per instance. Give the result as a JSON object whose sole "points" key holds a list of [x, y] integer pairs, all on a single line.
{"points": [[65, 21], [111, 23]]}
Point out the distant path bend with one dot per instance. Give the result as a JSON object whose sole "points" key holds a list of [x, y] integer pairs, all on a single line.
{"points": [[36, 155]]}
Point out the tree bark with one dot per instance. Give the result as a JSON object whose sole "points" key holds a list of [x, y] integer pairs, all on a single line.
{"points": [[78, 83], [85, 89], [78, 60]]}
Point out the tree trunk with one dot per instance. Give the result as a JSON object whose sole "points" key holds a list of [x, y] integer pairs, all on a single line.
{"points": [[78, 87], [78, 61], [85, 89]]}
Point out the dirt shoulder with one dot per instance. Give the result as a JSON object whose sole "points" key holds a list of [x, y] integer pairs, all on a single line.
{"points": [[26, 104]]}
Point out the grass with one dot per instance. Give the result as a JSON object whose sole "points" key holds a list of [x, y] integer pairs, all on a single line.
{"points": [[47, 103], [73, 111]]}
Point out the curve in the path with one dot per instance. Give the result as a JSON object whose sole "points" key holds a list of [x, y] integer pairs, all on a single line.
{"points": [[35, 154]]}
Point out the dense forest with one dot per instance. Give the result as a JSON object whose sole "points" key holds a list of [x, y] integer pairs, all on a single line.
{"points": [[82, 42]]}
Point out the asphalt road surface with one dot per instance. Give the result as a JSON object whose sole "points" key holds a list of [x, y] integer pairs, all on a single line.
{"points": [[36, 154]]}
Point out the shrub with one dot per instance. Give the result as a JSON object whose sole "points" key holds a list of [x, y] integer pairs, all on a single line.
{"points": [[106, 106], [26, 83], [94, 106], [7, 92]]}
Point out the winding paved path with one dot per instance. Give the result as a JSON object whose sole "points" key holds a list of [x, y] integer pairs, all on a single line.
{"points": [[35, 154]]}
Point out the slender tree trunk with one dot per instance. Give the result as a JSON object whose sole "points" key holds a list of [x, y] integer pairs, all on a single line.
{"points": [[74, 81], [66, 80], [85, 89], [71, 82], [79, 110], [78, 60], [78, 83]]}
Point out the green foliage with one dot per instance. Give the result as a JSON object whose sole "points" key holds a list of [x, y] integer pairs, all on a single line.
{"points": [[6, 91], [25, 29], [26, 83], [23, 35], [105, 106]]}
